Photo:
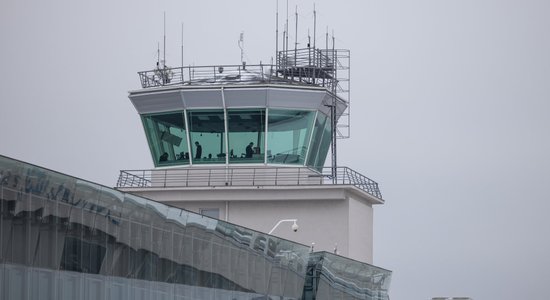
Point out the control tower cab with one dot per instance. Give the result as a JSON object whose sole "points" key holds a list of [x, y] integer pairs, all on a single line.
{"points": [[280, 114]]}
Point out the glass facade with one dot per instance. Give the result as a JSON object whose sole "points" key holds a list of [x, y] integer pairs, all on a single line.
{"points": [[246, 133], [167, 138], [320, 143], [288, 135], [66, 238], [237, 136]]}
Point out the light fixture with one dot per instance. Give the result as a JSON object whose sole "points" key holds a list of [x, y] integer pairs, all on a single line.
{"points": [[294, 225]]}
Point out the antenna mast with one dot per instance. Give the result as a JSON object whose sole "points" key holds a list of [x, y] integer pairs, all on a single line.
{"points": [[158, 55], [182, 44], [286, 27], [277, 36], [296, 39], [314, 24], [164, 46], [241, 45]]}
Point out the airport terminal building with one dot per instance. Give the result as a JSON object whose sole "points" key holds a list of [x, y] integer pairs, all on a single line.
{"points": [[66, 238]]}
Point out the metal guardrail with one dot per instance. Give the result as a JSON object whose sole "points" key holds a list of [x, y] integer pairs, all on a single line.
{"points": [[202, 75], [307, 66], [245, 176]]}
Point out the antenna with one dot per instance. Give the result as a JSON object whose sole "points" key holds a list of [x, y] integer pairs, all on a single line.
{"points": [[296, 35], [182, 45], [286, 27], [326, 41], [241, 45], [158, 54], [164, 46], [314, 25], [276, 36]]}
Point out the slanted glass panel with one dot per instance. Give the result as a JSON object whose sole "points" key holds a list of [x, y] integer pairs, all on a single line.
{"points": [[246, 135], [321, 142], [288, 135], [326, 140], [206, 130], [314, 149], [167, 138]]}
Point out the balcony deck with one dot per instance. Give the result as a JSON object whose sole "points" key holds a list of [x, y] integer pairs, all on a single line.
{"points": [[236, 176]]}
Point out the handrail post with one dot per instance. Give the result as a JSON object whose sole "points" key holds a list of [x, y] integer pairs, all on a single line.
{"points": [[165, 174], [299, 175], [254, 176]]}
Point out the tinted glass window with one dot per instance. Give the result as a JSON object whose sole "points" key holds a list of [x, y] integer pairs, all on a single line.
{"points": [[167, 138], [246, 135], [206, 130], [288, 135]]}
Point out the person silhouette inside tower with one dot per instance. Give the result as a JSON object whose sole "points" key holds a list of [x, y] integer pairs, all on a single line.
{"points": [[249, 150], [163, 157], [198, 152]]}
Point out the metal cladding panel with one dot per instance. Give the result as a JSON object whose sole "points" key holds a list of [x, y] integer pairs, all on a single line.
{"points": [[157, 102], [202, 98], [245, 97], [295, 98]]}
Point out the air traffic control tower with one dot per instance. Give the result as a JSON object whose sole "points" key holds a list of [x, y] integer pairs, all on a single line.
{"points": [[248, 144]]}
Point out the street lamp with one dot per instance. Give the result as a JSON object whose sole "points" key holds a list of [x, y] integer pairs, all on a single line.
{"points": [[294, 225]]}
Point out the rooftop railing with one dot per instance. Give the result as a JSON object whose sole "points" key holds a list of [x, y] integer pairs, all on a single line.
{"points": [[204, 75], [245, 176], [306, 66]]}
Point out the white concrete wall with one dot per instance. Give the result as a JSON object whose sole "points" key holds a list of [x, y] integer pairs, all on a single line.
{"points": [[360, 230], [327, 215], [320, 222]]}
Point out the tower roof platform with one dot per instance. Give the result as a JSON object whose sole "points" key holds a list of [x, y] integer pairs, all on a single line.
{"points": [[267, 178]]}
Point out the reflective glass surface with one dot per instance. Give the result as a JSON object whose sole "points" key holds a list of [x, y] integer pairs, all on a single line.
{"points": [[246, 131], [167, 138], [324, 144], [317, 139], [66, 238], [288, 135], [207, 134]]}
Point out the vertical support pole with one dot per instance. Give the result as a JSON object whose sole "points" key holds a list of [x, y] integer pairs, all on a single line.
{"points": [[188, 137], [276, 37], [225, 133], [333, 144], [334, 120]]}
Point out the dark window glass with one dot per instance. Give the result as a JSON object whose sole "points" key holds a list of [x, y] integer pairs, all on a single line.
{"points": [[246, 135], [167, 138], [82, 256], [326, 140], [288, 135], [320, 143], [206, 131]]}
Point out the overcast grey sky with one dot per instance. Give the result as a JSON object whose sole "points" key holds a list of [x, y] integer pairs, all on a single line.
{"points": [[450, 114]]}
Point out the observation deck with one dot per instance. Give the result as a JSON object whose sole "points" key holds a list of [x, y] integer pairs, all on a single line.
{"points": [[247, 177]]}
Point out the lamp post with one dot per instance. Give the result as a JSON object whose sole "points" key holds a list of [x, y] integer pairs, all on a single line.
{"points": [[294, 225]]}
